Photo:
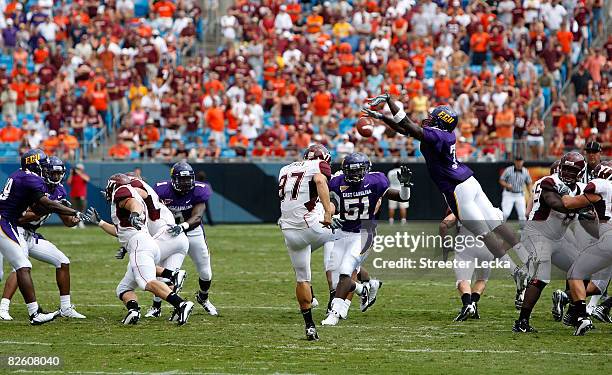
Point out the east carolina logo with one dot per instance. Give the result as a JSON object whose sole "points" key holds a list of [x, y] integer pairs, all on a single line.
{"points": [[32, 159], [445, 117], [343, 187]]}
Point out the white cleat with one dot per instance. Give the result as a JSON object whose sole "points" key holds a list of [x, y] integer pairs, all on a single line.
{"points": [[332, 319], [178, 278], [70, 312], [207, 305], [374, 286], [4, 315], [584, 325], [184, 311], [41, 317], [154, 312]]}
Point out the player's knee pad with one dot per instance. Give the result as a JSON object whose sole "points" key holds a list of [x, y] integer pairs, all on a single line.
{"points": [[540, 284]]}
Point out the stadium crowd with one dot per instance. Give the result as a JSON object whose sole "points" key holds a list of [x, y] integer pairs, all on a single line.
{"points": [[288, 73]]}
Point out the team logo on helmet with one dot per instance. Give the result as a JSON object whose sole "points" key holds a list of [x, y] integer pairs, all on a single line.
{"points": [[571, 167], [317, 151], [603, 170]]}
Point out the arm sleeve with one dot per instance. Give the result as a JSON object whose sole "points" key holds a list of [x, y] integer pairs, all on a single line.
{"points": [[505, 175], [325, 169], [548, 184], [591, 188], [122, 194]]}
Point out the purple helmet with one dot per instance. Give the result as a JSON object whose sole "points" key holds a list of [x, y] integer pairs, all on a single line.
{"points": [[355, 166], [183, 177]]}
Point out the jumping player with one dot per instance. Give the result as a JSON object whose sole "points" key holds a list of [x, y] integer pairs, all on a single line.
{"points": [[25, 188], [356, 192], [39, 248], [187, 199]]}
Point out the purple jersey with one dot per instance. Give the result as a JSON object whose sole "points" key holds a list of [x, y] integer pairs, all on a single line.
{"points": [[55, 193], [21, 190], [181, 205], [438, 149], [357, 202]]}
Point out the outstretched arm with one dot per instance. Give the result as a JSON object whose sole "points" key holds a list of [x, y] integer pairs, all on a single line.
{"points": [[399, 122], [580, 201]]}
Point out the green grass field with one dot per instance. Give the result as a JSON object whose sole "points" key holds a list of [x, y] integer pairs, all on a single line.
{"points": [[409, 330]]}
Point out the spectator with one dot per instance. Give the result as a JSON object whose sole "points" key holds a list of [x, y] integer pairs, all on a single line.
{"points": [[535, 137], [504, 127], [77, 180], [51, 143], [120, 150], [10, 133], [581, 81], [239, 143], [259, 150]]}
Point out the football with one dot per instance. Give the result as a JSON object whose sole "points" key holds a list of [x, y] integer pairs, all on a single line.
{"points": [[365, 126]]}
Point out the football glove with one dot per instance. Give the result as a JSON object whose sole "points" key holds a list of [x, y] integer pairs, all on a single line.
{"points": [[136, 220], [368, 112], [404, 175], [378, 99], [66, 202], [178, 229], [82, 217], [336, 222], [587, 213], [563, 190], [121, 253], [94, 216]]}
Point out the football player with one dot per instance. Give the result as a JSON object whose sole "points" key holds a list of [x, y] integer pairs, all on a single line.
{"points": [[187, 199], [53, 172], [469, 292], [597, 256], [455, 180], [130, 227], [545, 232], [173, 246], [356, 192], [25, 188], [306, 214]]}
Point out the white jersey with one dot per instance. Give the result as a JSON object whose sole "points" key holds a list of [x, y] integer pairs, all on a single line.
{"points": [[121, 216], [548, 222], [394, 182], [158, 215], [299, 202], [603, 188]]}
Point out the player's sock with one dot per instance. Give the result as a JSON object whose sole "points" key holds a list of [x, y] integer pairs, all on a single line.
{"points": [[32, 307], [167, 274], [65, 301], [307, 315], [132, 305], [174, 300], [581, 308], [403, 221], [157, 302], [391, 220], [204, 286], [466, 299], [5, 303], [475, 297], [332, 293]]}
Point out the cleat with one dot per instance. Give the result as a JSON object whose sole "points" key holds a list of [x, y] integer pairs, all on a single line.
{"points": [[332, 319], [602, 313], [174, 316], [374, 287], [522, 326], [4, 315], [70, 312], [132, 317], [475, 314], [314, 303], [41, 317], [154, 312], [559, 300], [365, 296], [569, 319], [466, 312], [184, 311], [311, 334], [178, 278], [520, 279], [583, 326], [207, 305]]}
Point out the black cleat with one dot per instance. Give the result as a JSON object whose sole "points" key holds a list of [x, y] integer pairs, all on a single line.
{"points": [[466, 312], [570, 318], [475, 315], [559, 301], [522, 326], [583, 326], [132, 317], [183, 312], [311, 334], [602, 313]]}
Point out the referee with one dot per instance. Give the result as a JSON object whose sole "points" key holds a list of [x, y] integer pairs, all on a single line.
{"points": [[592, 154], [513, 180]]}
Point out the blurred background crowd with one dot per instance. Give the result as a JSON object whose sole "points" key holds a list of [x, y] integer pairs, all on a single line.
{"points": [[139, 79]]}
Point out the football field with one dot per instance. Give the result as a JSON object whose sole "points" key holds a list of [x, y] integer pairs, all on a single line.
{"points": [[259, 330]]}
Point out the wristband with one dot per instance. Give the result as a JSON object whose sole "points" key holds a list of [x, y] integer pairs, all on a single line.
{"points": [[101, 223], [185, 226], [399, 116], [404, 192]]}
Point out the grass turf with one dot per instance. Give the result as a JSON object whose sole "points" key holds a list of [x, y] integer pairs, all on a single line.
{"points": [[409, 330]]}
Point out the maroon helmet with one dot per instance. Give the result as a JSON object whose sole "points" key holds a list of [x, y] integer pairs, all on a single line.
{"points": [[554, 168], [603, 170], [115, 181], [571, 167], [317, 151]]}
